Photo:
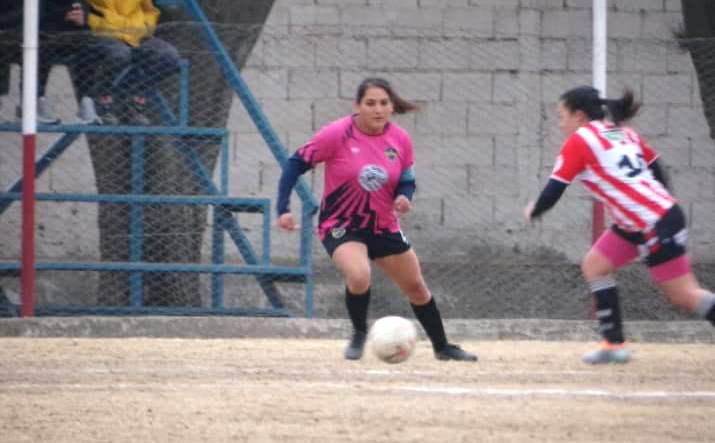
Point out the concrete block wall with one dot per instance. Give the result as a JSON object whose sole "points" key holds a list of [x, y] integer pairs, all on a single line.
{"points": [[486, 73]]}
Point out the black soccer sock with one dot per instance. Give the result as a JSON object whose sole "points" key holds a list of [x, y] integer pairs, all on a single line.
{"points": [[357, 305], [429, 317], [608, 309], [706, 307]]}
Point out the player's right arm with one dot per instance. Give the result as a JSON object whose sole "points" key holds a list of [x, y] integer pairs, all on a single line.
{"points": [[319, 149], [570, 162], [551, 194], [295, 167]]}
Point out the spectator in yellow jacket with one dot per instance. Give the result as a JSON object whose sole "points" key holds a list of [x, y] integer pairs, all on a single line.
{"points": [[125, 31], [130, 21]]}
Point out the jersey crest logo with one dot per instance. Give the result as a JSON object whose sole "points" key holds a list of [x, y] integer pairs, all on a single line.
{"points": [[337, 232], [372, 177], [390, 153], [614, 135], [355, 150]]}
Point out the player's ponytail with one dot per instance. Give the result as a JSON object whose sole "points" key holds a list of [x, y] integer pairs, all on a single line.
{"points": [[587, 99], [622, 109], [399, 104]]}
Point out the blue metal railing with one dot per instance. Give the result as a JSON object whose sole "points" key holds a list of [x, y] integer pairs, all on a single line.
{"points": [[215, 196], [223, 206]]}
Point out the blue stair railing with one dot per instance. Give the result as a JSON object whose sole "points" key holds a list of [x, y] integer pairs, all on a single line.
{"points": [[214, 195]]}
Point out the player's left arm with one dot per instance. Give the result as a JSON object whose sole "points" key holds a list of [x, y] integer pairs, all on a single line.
{"points": [[652, 159], [406, 186]]}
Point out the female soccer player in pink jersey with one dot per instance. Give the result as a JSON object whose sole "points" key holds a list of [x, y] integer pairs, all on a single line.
{"points": [[369, 179], [620, 169]]}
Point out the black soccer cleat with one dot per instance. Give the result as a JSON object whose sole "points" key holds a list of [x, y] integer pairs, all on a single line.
{"points": [[454, 352], [356, 346]]}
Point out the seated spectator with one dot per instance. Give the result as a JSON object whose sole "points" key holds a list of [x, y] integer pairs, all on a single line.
{"points": [[62, 42], [57, 19], [10, 52], [124, 30]]}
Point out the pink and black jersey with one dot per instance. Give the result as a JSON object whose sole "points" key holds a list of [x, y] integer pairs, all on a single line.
{"points": [[361, 174], [612, 162]]}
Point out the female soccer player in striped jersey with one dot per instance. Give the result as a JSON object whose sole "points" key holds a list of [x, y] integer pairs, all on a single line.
{"points": [[620, 169], [369, 179]]}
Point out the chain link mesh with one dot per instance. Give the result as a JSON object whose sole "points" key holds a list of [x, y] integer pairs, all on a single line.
{"points": [[485, 140]]}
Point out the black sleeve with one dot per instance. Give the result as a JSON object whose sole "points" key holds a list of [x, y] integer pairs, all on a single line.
{"points": [[11, 16], [549, 196], [659, 173], [294, 168], [53, 12], [406, 188]]}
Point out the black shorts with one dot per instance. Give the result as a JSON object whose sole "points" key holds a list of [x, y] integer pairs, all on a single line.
{"points": [[379, 244], [664, 242]]}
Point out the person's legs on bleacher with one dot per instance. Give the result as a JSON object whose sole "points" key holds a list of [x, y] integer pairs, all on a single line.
{"points": [[101, 60], [153, 61]]}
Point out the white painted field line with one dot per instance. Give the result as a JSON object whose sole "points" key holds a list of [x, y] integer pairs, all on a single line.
{"points": [[224, 368], [561, 392], [115, 369], [379, 372], [447, 390]]}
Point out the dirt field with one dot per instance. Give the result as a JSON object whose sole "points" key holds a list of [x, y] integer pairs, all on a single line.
{"points": [[241, 390]]}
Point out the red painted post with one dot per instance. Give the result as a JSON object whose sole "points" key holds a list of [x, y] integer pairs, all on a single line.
{"points": [[27, 276], [29, 135], [599, 221]]}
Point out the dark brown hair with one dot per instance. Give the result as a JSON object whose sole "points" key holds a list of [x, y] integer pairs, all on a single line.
{"points": [[586, 99], [399, 104]]}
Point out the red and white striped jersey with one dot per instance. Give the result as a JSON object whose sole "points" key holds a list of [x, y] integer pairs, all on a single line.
{"points": [[612, 162]]}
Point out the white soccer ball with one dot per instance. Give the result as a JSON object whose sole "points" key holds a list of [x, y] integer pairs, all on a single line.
{"points": [[392, 339]]}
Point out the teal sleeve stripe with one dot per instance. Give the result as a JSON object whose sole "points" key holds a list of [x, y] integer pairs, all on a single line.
{"points": [[408, 175]]}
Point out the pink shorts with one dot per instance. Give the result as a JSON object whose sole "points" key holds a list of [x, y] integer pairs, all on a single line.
{"points": [[620, 252]]}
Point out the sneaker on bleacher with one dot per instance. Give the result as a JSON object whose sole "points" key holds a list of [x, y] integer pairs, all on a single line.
{"points": [[87, 112], [137, 112], [45, 113]]}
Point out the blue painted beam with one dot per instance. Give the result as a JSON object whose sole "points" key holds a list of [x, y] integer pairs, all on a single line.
{"points": [[184, 92], [227, 222], [248, 100], [52, 154], [162, 107], [121, 130], [217, 258], [136, 221], [251, 205], [272, 270], [67, 310]]}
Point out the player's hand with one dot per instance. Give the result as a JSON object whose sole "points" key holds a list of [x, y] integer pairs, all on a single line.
{"points": [[402, 204], [287, 222], [527, 212], [75, 15]]}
